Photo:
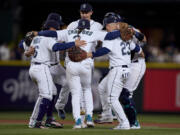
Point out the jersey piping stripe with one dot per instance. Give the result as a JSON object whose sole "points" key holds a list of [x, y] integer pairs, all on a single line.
{"points": [[111, 96], [47, 81], [36, 109]]}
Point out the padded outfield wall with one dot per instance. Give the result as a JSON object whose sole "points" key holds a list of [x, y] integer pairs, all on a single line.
{"points": [[159, 91]]}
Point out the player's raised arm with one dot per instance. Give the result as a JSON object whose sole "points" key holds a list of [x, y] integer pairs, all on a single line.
{"points": [[64, 46], [61, 35], [101, 51], [47, 33], [139, 35]]}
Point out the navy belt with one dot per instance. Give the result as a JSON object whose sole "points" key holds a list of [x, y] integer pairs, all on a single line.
{"points": [[54, 64], [37, 63], [123, 66], [136, 61]]}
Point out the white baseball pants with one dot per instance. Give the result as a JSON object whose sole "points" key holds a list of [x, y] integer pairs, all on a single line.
{"points": [[79, 80]]}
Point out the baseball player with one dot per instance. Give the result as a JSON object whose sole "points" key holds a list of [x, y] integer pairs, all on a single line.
{"points": [[119, 55], [138, 67], [86, 12], [57, 72], [79, 73], [42, 58]]}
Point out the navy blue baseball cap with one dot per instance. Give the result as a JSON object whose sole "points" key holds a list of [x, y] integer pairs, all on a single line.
{"points": [[56, 17], [109, 14], [110, 19], [86, 7], [51, 23], [120, 19], [83, 24]]}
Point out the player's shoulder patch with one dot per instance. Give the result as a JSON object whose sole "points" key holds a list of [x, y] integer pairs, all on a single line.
{"points": [[37, 39]]}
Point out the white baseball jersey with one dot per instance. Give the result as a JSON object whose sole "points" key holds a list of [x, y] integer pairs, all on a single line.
{"points": [[93, 25], [43, 50], [120, 54], [89, 36], [44, 54]]}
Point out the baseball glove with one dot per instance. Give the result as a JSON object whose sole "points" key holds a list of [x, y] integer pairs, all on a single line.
{"points": [[126, 31], [76, 54], [28, 38]]}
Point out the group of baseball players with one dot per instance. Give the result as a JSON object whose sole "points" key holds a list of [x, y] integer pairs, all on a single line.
{"points": [[126, 68]]}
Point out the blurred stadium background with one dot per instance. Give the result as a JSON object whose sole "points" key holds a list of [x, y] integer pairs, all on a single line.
{"points": [[159, 90]]}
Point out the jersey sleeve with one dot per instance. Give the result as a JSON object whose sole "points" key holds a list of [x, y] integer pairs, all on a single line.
{"points": [[132, 46], [62, 35], [99, 26], [108, 45], [99, 35], [135, 47]]}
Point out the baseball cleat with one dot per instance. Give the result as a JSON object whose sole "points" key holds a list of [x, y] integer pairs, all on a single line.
{"points": [[122, 126], [89, 121], [136, 125], [61, 113], [84, 125], [38, 124], [103, 120], [77, 124], [52, 123]]}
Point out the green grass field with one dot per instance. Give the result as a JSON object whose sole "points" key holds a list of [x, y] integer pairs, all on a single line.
{"points": [[14, 123]]}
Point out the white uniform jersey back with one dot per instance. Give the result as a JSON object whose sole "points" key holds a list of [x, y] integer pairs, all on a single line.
{"points": [[88, 35], [43, 50], [120, 51], [93, 25], [55, 55]]}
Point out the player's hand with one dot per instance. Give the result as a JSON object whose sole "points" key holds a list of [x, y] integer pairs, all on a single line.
{"points": [[79, 43], [30, 51], [35, 33], [89, 55]]}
